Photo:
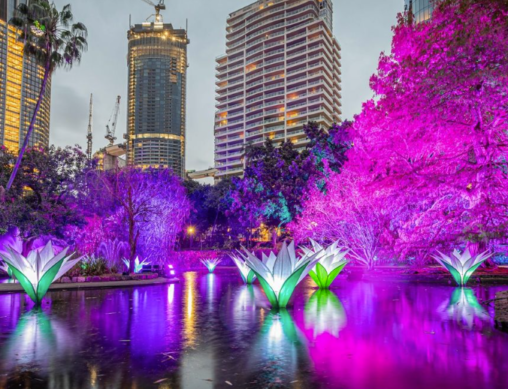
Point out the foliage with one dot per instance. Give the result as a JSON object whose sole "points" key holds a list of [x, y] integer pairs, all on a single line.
{"points": [[276, 178], [45, 198], [94, 266], [428, 168], [209, 205]]}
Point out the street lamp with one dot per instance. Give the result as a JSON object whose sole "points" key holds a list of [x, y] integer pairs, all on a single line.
{"points": [[191, 231]]}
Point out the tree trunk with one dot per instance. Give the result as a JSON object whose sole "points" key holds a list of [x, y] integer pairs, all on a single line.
{"points": [[274, 238], [32, 125]]}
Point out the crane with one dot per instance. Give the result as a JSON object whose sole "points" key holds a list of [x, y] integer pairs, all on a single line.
{"points": [[158, 8], [111, 126], [89, 136]]}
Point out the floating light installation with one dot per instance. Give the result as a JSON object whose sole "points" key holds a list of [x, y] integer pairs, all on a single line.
{"points": [[332, 261], [279, 275], [37, 271], [211, 264], [462, 266], [138, 266]]}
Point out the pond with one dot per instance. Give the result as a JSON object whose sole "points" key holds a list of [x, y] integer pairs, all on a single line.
{"points": [[211, 331]]}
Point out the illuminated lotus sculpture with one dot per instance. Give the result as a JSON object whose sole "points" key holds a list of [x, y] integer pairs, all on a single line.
{"points": [[462, 266], [211, 264], [246, 272], [138, 266], [279, 275], [39, 269], [331, 262]]}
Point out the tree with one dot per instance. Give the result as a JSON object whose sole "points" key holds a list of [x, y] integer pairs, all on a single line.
{"points": [[51, 38], [46, 196], [434, 141], [209, 207], [152, 206]]}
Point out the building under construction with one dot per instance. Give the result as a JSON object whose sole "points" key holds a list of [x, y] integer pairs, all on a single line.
{"points": [[156, 127]]}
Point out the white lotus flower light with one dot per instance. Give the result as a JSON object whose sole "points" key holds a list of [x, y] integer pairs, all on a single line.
{"points": [[138, 266], [279, 275], [37, 271], [246, 272], [332, 261], [211, 264], [462, 266]]}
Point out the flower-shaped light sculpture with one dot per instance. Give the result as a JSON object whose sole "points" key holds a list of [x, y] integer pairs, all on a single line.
{"points": [[279, 275], [331, 262], [37, 271], [211, 264], [138, 266], [462, 266], [246, 272]]}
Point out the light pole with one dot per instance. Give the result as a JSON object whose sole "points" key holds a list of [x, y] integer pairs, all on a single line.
{"points": [[190, 231]]}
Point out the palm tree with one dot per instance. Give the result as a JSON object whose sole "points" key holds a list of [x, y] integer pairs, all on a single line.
{"points": [[54, 41]]}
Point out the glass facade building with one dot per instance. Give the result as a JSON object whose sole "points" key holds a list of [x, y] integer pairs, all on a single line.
{"points": [[157, 63], [20, 83], [280, 71], [422, 9]]}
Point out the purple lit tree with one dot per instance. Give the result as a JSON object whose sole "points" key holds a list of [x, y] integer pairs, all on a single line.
{"points": [[151, 207]]}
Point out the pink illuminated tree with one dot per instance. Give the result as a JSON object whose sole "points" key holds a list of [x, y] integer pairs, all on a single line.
{"points": [[431, 147]]}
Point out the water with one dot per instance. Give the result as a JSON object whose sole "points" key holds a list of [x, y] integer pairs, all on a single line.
{"points": [[211, 331]]}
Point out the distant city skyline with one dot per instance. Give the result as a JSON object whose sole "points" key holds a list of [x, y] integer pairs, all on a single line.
{"points": [[362, 28]]}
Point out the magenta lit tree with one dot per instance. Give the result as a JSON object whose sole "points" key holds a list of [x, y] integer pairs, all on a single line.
{"points": [[429, 152]]}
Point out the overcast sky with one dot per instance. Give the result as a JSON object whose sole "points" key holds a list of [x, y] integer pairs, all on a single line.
{"points": [[363, 28]]}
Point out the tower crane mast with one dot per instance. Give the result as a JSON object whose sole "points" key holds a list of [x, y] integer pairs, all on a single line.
{"points": [[113, 120], [89, 136]]}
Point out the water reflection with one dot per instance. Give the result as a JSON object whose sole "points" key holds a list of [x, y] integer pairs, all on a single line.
{"points": [[209, 330], [324, 313], [464, 308], [278, 351]]}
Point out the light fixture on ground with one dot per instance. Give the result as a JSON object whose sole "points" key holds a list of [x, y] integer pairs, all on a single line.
{"points": [[211, 264], [462, 266], [332, 261], [138, 266], [246, 272], [279, 275], [37, 271]]}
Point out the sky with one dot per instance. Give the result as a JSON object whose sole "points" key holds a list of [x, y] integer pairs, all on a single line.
{"points": [[362, 27]]}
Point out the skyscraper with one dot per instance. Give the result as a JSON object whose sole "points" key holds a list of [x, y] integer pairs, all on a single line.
{"points": [[422, 9], [157, 96], [280, 71], [20, 83]]}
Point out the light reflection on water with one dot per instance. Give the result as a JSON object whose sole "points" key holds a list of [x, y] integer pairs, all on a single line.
{"points": [[211, 329]]}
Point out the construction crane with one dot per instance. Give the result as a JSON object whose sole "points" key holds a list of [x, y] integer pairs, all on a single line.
{"points": [[111, 126], [158, 8], [89, 136]]}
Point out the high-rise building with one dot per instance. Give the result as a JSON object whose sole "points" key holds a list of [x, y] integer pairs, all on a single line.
{"points": [[157, 96], [20, 84], [422, 9], [280, 71]]}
